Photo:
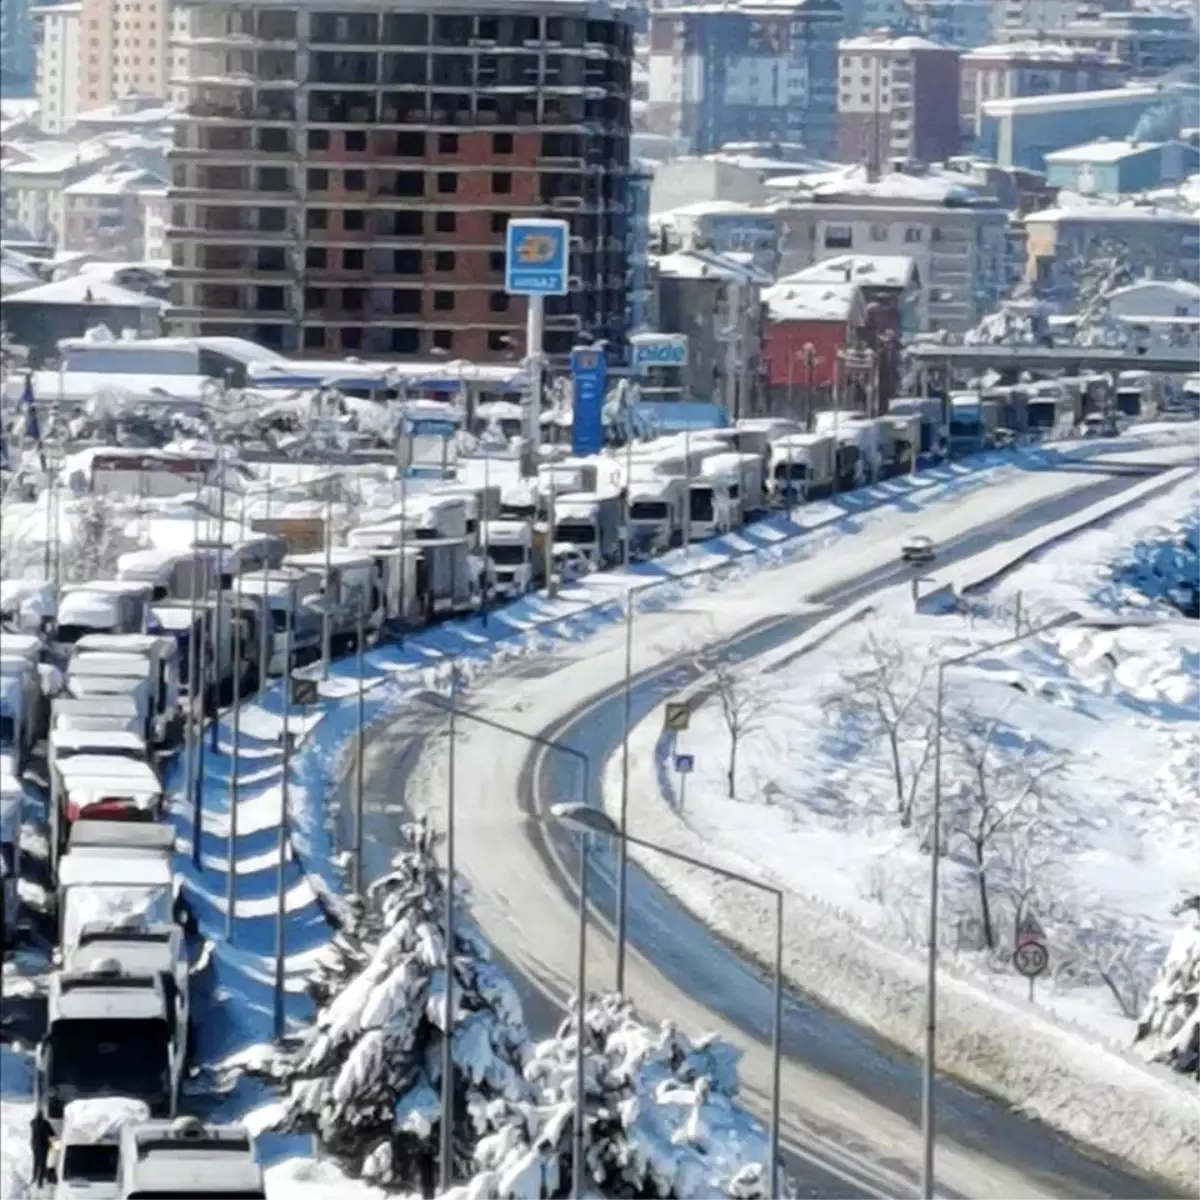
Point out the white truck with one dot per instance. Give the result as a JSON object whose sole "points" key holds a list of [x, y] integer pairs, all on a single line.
{"points": [[592, 523], [12, 804], [509, 546], [747, 469], [96, 783], [802, 466], [187, 1159], [104, 606], [350, 585], [714, 504], [154, 658], [656, 513], [286, 593], [171, 573], [87, 1158]]}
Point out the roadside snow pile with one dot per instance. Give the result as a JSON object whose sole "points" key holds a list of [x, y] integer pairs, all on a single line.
{"points": [[366, 1077], [1169, 1028]]}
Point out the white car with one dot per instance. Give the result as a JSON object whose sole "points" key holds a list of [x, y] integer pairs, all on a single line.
{"points": [[918, 549]]}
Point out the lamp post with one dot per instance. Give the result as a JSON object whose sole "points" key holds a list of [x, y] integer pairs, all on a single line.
{"points": [[284, 797], [929, 1066], [586, 819], [455, 712], [622, 848]]}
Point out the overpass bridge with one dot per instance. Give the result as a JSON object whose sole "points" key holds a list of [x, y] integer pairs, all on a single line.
{"points": [[1070, 360]]}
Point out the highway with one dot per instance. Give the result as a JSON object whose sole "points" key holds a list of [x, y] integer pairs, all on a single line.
{"points": [[851, 1103]]}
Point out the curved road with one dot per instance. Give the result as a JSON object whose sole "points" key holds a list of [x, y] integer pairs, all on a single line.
{"points": [[851, 1104]]}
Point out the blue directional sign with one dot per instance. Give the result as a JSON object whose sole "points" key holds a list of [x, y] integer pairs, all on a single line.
{"points": [[537, 257], [589, 373], [685, 763]]}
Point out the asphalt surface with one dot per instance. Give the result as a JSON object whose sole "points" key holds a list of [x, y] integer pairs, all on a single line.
{"points": [[676, 965]]}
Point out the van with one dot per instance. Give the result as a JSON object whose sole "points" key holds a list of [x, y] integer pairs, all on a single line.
{"points": [[87, 1158], [186, 1158]]}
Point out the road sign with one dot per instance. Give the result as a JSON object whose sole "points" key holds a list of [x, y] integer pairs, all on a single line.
{"points": [[685, 763], [589, 374], [659, 350], [677, 717], [1029, 929], [1031, 959], [537, 257]]}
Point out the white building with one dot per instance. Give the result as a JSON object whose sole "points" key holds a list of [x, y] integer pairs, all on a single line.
{"points": [[56, 31]]}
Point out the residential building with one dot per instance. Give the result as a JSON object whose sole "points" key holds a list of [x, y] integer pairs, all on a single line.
{"points": [[1008, 70], [723, 227], [1110, 167], [33, 178], [862, 15], [637, 303], [344, 174], [714, 300], [1149, 41], [756, 70], [17, 57], [1045, 17], [1145, 240], [1020, 131], [897, 99], [105, 213], [958, 23], [890, 282], [56, 33], [132, 113], [122, 49], [707, 179], [954, 231]]}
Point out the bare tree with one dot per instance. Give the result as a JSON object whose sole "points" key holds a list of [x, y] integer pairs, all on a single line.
{"points": [[891, 694], [743, 707], [1001, 795]]}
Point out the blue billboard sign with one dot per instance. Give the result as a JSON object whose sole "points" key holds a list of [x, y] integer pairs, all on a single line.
{"points": [[537, 257], [589, 374]]}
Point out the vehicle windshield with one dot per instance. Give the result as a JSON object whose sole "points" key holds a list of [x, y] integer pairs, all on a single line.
{"points": [[91, 1163], [648, 510], [576, 533], [279, 620], [792, 470], [97, 904], [8, 730], [507, 556], [108, 1058], [700, 504], [69, 634]]}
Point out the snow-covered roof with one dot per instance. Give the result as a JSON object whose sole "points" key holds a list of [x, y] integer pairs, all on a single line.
{"points": [[83, 290], [934, 187], [1041, 52], [810, 301], [885, 42], [1068, 101], [707, 264], [704, 208], [116, 180], [15, 275], [122, 113], [1185, 291], [1102, 150], [1115, 213], [868, 270]]}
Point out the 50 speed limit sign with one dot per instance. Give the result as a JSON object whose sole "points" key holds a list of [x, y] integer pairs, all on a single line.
{"points": [[1031, 959]]}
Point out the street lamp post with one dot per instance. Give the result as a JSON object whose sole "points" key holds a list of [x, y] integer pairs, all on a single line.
{"points": [[284, 799], [929, 1067], [455, 713], [586, 819]]}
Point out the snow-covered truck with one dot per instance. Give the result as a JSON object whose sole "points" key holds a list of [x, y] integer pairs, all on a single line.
{"points": [[592, 523], [87, 1156], [748, 469], [656, 513], [509, 547], [188, 1159], [802, 466]]}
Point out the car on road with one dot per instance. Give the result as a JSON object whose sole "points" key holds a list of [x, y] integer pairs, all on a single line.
{"points": [[918, 549]]}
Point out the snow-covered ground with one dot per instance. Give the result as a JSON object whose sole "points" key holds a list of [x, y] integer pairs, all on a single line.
{"points": [[1085, 740]]}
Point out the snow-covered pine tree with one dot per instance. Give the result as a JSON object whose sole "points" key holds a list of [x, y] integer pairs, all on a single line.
{"points": [[1169, 1027], [366, 1077], [661, 1121]]}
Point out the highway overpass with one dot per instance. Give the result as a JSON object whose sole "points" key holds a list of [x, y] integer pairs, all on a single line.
{"points": [[1071, 360]]}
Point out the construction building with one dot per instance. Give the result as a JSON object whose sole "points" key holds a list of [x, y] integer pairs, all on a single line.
{"points": [[343, 173]]}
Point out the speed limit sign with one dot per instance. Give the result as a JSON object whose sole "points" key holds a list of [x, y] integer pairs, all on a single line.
{"points": [[1031, 959]]}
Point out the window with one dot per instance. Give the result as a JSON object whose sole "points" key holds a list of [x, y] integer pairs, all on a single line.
{"points": [[318, 181], [502, 143], [405, 341], [353, 260], [498, 302], [352, 338], [410, 145], [445, 222], [500, 221], [314, 337], [356, 141], [406, 301], [443, 339], [443, 260], [355, 181], [353, 218], [443, 301], [913, 234], [498, 342], [314, 298], [879, 233], [502, 182], [838, 237], [447, 182], [314, 256], [352, 299], [496, 260], [447, 143]]}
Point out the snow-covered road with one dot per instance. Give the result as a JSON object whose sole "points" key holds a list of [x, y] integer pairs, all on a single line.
{"points": [[850, 1104]]}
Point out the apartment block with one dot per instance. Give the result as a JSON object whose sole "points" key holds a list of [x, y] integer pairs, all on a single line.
{"points": [[958, 23], [748, 70], [1149, 41], [343, 174], [16, 48], [897, 99], [956, 234], [56, 35], [1012, 69], [122, 50]]}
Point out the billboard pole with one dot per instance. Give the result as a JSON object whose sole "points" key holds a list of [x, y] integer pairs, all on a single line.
{"points": [[535, 325]]}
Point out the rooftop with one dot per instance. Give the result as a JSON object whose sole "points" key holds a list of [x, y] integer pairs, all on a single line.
{"points": [[1113, 213], [1102, 150], [127, 112], [707, 264], [811, 301], [1040, 52], [84, 290], [934, 187], [885, 42], [1068, 101], [116, 180], [867, 270]]}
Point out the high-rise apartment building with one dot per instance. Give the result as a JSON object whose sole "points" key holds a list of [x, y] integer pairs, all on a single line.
{"points": [[897, 99], [56, 35], [16, 48], [344, 173], [747, 70], [122, 50]]}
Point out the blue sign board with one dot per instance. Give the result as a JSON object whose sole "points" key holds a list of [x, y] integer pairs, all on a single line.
{"points": [[589, 373], [430, 427], [537, 257], [685, 763]]}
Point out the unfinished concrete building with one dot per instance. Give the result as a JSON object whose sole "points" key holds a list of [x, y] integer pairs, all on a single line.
{"points": [[344, 172]]}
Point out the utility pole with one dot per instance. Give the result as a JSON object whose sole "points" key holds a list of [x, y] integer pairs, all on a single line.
{"points": [[447, 1120], [284, 799], [231, 866], [358, 763]]}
